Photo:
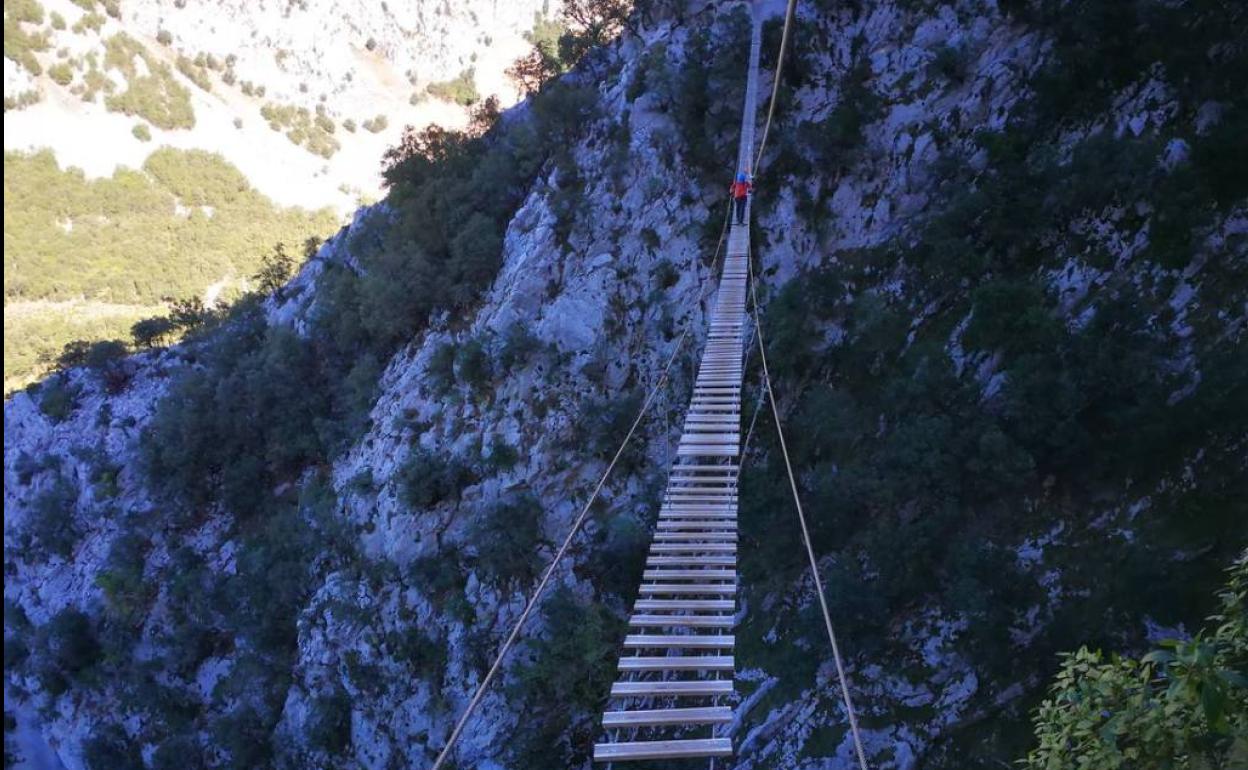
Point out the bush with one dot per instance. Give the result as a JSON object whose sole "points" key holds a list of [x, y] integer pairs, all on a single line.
{"points": [[109, 748], [65, 648], [195, 72], [377, 124], [62, 73], [204, 438], [141, 132], [427, 479], [472, 364], [1185, 705], [21, 46], [573, 664], [461, 90], [151, 332], [52, 522], [164, 37], [58, 398], [507, 535], [154, 95], [328, 726]]}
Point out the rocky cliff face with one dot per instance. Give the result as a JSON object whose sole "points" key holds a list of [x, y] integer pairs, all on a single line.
{"points": [[489, 425]]}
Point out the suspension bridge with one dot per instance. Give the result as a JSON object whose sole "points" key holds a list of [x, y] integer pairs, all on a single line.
{"points": [[676, 670]]}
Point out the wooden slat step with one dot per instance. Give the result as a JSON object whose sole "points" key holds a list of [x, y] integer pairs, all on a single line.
{"points": [[695, 537], [679, 641], [659, 605], [710, 687], [676, 663], [707, 715], [691, 748], [693, 548], [689, 574], [708, 451], [682, 621], [688, 589], [691, 561]]}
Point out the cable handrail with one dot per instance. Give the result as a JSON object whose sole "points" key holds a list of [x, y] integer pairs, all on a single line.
{"points": [[801, 517]]}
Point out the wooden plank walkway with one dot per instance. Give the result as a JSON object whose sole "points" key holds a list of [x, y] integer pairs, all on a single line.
{"points": [[678, 661]]}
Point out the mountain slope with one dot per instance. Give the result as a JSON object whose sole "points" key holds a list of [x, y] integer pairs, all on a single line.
{"points": [[1006, 319]]}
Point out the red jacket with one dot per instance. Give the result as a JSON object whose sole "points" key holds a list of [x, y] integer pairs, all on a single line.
{"points": [[741, 189]]}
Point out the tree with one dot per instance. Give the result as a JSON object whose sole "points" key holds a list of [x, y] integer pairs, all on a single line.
{"points": [[275, 271], [150, 332], [189, 314]]}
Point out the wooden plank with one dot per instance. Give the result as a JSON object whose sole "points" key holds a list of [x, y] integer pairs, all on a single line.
{"points": [[693, 548], [658, 605], [638, 663], [706, 715], [682, 621], [691, 748], [679, 641], [689, 574], [688, 589], [708, 687], [691, 561]]}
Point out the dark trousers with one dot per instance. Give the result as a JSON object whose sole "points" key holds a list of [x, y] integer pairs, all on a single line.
{"points": [[741, 209]]}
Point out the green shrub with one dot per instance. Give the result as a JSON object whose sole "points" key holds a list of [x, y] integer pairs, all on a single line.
{"points": [[573, 664], [91, 21], [315, 133], [194, 71], [154, 96], [1184, 706], [52, 524], [506, 535], [440, 372], [151, 332], [141, 132], [110, 748], [472, 364], [58, 398], [503, 456], [29, 11], [427, 479], [197, 445], [62, 73], [65, 648], [376, 124], [328, 726], [461, 90], [20, 45], [518, 346]]}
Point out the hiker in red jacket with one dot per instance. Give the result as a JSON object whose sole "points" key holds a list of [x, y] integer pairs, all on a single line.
{"points": [[741, 190]]}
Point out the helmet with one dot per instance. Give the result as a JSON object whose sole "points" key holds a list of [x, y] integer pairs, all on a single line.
{"points": [[741, 176]]}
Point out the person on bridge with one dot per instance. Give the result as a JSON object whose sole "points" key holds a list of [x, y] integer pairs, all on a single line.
{"points": [[741, 189]]}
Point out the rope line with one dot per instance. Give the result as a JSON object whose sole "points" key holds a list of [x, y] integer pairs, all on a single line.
{"points": [[563, 549], [775, 85], [576, 527], [801, 517]]}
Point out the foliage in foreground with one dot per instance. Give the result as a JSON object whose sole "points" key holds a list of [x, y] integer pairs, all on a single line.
{"points": [[1183, 707]]}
